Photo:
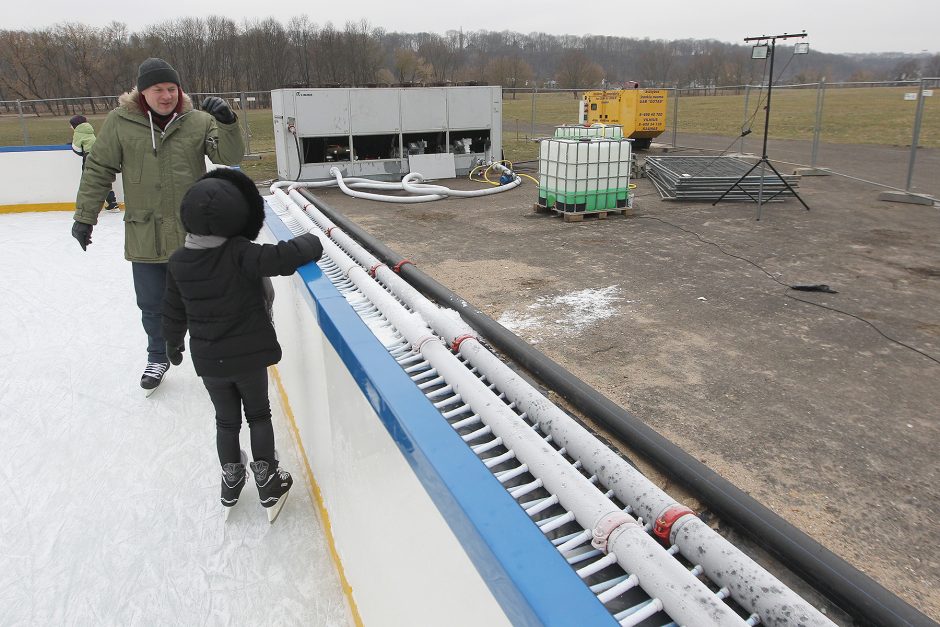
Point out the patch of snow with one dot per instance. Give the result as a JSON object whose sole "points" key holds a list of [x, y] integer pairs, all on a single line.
{"points": [[572, 313]]}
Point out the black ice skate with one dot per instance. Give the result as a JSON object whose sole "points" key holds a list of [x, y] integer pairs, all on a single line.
{"points": [[153, 376], [233, 480], [273, 485]]}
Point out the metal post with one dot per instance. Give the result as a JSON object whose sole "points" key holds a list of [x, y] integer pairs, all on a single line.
{"points": [[747, 107], [917, 120], [675, 115], [244, 106], [817, 128], [532, 123], [19, 111], [908, 196]]}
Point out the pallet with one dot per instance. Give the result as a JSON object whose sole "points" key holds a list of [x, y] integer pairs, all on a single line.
{"points": [[569, 216]]}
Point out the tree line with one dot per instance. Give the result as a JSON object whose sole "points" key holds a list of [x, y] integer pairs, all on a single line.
{"points": [[217, 54]]}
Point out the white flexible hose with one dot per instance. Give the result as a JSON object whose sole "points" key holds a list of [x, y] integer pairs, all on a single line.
{"points": [[412, 183]]}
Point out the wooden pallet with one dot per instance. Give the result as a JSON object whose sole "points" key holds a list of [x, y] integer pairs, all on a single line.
{"points": [[569, 216]]}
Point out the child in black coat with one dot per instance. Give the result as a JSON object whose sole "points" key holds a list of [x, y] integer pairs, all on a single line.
{"points": [[215, 289]]}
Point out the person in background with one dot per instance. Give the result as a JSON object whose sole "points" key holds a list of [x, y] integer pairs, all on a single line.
{"points": [[83, 138], [215, 289], [159, 142]]}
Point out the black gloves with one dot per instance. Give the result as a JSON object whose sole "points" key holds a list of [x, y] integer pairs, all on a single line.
{"points": [[218, 109], [175, 353], [82, 232]]}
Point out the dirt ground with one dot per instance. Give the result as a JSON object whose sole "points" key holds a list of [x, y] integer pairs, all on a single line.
{"points": [[810, 411]]}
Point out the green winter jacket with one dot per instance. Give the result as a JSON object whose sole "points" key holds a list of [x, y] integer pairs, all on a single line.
{"points": [[158, 167], [83, 138]]}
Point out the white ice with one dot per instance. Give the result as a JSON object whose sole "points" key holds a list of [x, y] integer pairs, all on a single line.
{"points": [[109, 504]]}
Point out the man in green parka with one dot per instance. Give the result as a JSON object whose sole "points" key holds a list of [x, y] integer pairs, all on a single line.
{"points": [[159, 142]]}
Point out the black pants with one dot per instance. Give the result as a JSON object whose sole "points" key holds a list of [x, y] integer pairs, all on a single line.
{"points": [[150, 285], [229, 394]]}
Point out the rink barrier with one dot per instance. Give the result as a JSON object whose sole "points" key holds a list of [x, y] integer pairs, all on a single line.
{"points": [[45, 178], [424, 532], [41, 178], [316, 496]]}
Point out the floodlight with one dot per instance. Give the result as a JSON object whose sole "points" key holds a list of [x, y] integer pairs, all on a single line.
{"points": [[764, 48]]}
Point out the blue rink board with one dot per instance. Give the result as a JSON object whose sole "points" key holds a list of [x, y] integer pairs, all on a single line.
{"points": [[529, 578]]}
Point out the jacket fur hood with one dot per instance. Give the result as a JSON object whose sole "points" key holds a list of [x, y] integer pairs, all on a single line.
{"points": [[128, 102], [223, 202]]}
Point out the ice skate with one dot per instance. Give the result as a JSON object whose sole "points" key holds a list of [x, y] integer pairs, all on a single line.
{"points": [[153, 375], [233, 480], [273, 485], [115, 208]]}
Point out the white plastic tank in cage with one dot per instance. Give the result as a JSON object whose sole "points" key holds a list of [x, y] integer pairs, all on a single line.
{"points": [[577, 131], [588, 174]]}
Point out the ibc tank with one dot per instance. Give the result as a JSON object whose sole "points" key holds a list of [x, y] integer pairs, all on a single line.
{"points": [[577, 131], [588, 174]]}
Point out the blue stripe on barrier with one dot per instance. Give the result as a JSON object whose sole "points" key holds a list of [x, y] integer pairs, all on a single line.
{"points": [[531, 581], [35, 148]]}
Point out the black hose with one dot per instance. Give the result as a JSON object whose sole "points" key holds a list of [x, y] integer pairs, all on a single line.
{"points": [[860, 596]]}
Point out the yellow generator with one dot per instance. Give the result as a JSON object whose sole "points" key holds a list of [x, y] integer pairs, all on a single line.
{"points": [[641, 112]]}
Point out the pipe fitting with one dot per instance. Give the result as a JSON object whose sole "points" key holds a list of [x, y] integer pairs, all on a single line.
{"points": [[455, 345], [606, 526], [662, 528]]}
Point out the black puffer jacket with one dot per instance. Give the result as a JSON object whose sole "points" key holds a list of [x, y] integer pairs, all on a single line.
{"points": [[217, 293]]}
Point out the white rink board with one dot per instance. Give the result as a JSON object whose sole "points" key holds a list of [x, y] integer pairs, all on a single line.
{"points": [[425, 532], [403, 562]]}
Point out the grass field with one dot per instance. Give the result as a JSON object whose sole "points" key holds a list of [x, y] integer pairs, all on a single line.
{"points": [[877, 115]]}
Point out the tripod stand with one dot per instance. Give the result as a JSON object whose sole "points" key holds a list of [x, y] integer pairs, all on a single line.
{"points": [[764, 162]]}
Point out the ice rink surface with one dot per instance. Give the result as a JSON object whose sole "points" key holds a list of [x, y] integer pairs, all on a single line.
{"points": [[109, 501]]}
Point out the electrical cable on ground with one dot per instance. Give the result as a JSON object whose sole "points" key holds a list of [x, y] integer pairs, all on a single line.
{"points": [[776, 280]]}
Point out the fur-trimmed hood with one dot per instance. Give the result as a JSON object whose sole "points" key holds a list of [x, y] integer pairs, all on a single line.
{"points": [[129, 101], [224, 202]]}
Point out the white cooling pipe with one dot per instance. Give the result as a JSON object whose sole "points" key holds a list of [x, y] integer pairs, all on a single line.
{"points": [[723, 562], [686, 599]]}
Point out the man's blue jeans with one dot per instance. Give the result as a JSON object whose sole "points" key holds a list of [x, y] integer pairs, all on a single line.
{"points": [[150, 284]]}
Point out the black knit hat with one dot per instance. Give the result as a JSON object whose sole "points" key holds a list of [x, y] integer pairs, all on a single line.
{"points": [[153, 71], [75, 120], [223, 202]]}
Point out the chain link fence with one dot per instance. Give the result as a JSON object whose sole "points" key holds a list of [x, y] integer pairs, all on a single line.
{"points": [[860, 130], [863, 131], [45, 122]]}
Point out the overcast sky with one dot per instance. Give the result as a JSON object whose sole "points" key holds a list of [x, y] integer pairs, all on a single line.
{"points": [[832, 25]]}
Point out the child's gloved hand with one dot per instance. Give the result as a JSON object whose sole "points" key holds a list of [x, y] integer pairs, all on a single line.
{"points": [[175, 353]]}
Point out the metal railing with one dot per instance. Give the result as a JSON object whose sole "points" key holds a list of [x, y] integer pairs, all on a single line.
{"points": [[810, 125]]}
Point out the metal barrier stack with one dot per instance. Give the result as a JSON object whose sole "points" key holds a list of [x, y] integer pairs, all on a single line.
{"points": [[707, 178]]}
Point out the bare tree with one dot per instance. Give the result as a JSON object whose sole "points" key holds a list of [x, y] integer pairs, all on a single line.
{"points": [[364, 55], [411, 67], [577, 71], [441, 53], [216, 54], [301, 33], [509, 72], [932, 67]]}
